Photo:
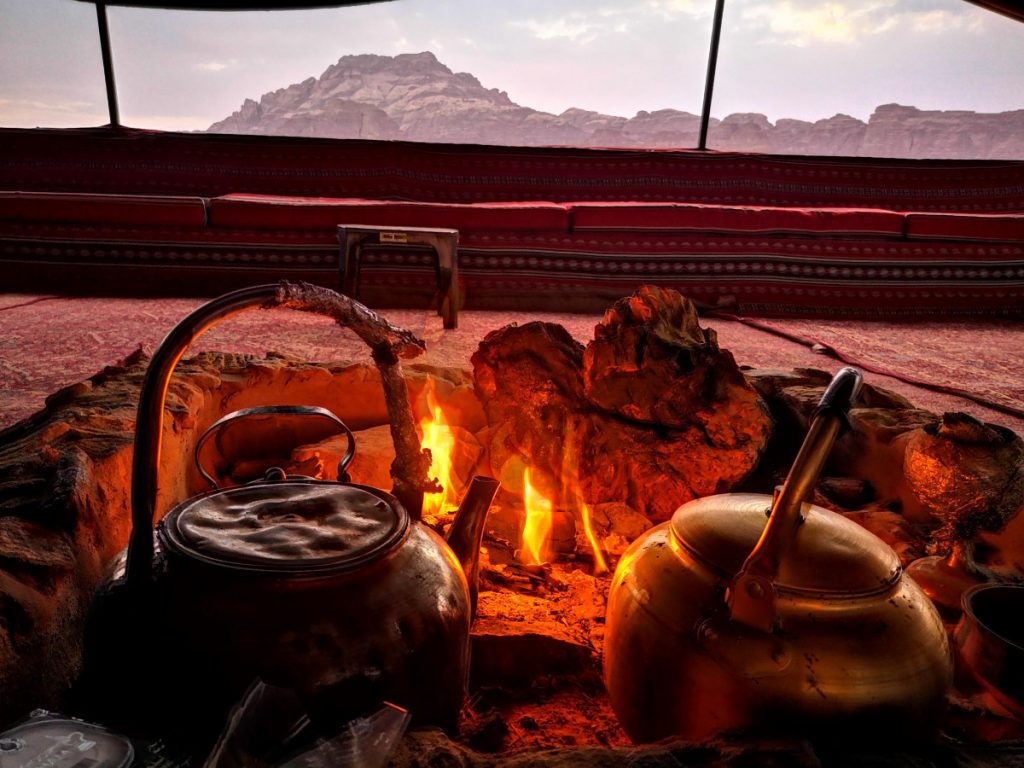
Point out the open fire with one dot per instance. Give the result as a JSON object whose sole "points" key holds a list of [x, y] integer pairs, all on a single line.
{"points": [[542, 499], [537, 523], [588, 450], [438, 438]]}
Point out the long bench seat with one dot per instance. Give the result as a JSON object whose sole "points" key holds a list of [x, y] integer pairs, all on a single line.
{"points": [[769, 260]]}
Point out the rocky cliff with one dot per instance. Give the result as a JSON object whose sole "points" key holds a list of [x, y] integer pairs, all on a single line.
{"points": [[417, 98]]}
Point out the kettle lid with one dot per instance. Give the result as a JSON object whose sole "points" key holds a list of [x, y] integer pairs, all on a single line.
{"points": [[292, 527], [829, 554]]}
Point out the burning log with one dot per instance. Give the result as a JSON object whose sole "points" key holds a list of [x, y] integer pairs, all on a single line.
{"points": [[654, 412]]}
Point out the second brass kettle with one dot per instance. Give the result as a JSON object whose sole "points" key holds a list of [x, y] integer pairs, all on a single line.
{"points": [[745, 613]]}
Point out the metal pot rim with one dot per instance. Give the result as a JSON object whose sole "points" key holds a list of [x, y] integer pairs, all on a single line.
{"points": [[968, 604]]}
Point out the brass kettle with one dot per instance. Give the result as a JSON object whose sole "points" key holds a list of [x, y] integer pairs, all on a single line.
{"points": [[333, 590], [760, 615]]}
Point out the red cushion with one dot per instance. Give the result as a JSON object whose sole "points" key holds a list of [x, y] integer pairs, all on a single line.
{"points": [[270, 211], [154, 210], [956, 226], [722, 218]]}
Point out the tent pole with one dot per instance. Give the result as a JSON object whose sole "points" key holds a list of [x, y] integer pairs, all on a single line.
{"points": [[709, 83], [108, 65]]}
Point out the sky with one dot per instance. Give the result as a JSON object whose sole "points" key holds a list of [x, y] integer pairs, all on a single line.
{"points": [[806, 59]]}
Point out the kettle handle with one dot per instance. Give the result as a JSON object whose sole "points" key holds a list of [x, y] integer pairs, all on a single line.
{"points": [[388, 343], [751, 595], [283, 410]]}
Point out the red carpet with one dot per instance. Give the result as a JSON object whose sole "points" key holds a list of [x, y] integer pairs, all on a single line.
{"points": [[50, 342]]}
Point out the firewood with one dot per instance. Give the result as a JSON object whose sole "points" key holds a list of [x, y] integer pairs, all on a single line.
{"points": [[658, 413]]}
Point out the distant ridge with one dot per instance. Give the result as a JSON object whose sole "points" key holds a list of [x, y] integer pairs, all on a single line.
{"points": [[415, 97]]}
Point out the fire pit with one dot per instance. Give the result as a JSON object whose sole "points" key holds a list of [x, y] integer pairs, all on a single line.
{"points": [[592, 445]]}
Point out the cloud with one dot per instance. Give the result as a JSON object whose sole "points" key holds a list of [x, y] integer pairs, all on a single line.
{"points": [[939, 21], [586, 26], [572, 27], [671, 9], [216, 66], [802, 23]]}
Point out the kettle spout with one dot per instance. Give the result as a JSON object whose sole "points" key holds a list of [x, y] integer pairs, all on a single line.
{"points": [[467, 531]]}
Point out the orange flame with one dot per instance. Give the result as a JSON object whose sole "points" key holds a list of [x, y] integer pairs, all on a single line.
{"points": [[538, 522], [600, 564], [573, 494], [438, 438]]}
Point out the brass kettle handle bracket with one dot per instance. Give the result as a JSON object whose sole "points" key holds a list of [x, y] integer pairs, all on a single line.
{"points": [[313, 411], [388, 344], [751, 595]]}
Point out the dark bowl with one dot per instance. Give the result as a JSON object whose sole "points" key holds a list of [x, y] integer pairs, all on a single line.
{"points": [[990, 637]]}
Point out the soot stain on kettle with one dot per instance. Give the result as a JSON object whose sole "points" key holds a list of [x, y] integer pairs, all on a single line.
{"points": [[811, 679]]}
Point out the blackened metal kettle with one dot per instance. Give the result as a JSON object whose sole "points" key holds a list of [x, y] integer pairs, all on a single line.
{"points": [[773, 616], [334, 590]]}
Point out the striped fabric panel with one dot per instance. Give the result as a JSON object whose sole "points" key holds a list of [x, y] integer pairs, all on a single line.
{"points": [[750, 273], [784, 277], [139, 162]]}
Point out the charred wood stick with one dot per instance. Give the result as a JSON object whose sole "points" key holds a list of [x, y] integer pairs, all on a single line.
{"points": [[411, 467], [349, 313], [388, 343]]}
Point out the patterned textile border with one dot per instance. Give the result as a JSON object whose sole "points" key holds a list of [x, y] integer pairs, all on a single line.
{"points": [[782, 276]]}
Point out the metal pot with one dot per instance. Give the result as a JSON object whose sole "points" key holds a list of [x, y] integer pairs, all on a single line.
{"points": [[750, 613], [331, 589], [990, 639]]}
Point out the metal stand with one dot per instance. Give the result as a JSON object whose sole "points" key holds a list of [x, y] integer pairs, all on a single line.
{"points": [[443, 243]]}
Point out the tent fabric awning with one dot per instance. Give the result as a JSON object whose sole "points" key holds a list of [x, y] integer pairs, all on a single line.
{"points": [[1014, 10], [233, 5]]}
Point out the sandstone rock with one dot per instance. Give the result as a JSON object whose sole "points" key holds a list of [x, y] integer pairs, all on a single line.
{"points": [[453, 388], [371, 465], [872, 450], [650, 361], [969, 475], [656, 412], [416, 97], [513, 655], [518, 639], [615, 525]]}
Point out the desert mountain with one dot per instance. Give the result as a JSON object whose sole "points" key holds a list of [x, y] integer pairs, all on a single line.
{"points": [[415, 97]]}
